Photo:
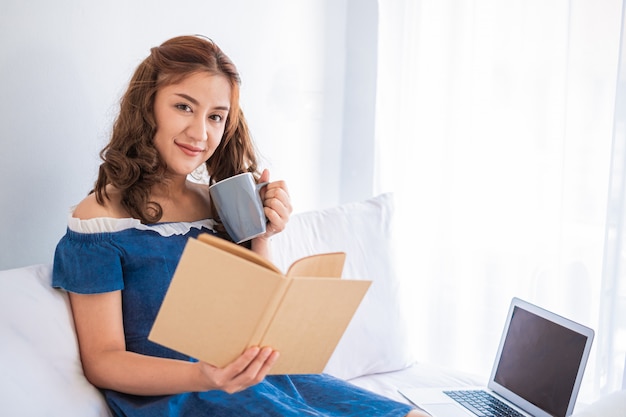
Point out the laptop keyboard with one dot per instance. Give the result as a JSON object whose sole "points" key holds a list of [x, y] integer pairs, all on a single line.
{"points": [[482, 403]]}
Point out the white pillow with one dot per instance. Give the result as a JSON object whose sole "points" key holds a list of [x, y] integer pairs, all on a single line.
{"points": [[375, 340], [39, 360]]}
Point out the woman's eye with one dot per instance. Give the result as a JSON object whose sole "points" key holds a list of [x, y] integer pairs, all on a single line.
{"points": [[183, 107], [216, 117]]}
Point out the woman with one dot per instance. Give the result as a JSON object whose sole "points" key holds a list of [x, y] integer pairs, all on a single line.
{"points": [[123, 242]]}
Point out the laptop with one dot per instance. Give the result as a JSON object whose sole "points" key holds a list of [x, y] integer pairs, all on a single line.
{"points": [[537, 371]]}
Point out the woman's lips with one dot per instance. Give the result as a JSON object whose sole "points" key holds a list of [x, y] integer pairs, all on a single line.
{"points": [[189, 149]]}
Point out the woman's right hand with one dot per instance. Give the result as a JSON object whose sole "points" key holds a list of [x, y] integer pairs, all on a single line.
{"points": [[247, 370]]}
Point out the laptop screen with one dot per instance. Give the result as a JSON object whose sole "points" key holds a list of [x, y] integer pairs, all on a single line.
{"points": [[540, 361]]}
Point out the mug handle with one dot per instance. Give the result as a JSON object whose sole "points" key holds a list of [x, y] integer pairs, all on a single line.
{"points": [[261, 185], [258, 191]]}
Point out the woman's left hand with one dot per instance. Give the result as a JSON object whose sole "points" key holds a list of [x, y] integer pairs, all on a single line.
{"points": [[276, 203]]}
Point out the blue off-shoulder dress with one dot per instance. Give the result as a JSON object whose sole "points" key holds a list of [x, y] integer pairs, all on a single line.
{"points": [[103, 255]]}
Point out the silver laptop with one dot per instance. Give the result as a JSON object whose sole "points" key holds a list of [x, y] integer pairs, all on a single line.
{"points": [[537, 370]]}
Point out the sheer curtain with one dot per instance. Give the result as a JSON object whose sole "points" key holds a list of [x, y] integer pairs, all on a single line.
{"points": [[494, 127]]}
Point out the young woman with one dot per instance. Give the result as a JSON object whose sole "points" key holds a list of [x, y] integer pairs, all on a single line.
{"points": [[123, 242]]}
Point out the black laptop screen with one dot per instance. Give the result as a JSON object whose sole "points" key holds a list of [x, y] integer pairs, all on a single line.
{"points": [[540, 361]]}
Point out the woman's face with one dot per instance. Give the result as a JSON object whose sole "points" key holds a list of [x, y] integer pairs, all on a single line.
{"points": [[190, 118]]}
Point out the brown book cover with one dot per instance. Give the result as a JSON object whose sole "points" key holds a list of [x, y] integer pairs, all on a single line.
{"points": [[224, 298]]}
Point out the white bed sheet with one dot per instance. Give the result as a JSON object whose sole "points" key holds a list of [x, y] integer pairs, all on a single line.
{"points": [[417, 375]]}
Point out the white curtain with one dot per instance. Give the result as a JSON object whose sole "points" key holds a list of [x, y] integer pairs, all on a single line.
{"points": [[494, 128]]}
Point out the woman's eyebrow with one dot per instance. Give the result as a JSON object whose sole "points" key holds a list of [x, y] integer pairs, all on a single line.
{"points": [[195, 102], [189, 98]]}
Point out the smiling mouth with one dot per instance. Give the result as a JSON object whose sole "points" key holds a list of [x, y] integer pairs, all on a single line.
{"points": [[190, 150]]}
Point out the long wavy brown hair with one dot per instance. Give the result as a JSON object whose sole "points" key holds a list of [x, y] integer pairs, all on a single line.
{"points": [[131, 163]]}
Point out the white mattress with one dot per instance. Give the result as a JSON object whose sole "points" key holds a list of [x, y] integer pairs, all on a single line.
{"points": [[417, 375]]}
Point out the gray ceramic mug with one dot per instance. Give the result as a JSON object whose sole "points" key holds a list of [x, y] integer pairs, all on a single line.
{"points": [[238, 203]]}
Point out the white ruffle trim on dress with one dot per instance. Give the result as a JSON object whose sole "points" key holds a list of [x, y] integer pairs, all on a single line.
{"points": [[109, 224]]}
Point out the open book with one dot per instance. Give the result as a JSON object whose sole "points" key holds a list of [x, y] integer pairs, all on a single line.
{"points": [[224, 298]]}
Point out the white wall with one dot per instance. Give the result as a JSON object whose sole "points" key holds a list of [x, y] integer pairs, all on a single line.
{"points": [[64, 65]]}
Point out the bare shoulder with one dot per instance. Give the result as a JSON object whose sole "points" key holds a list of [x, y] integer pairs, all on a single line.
{"points": [[90, 208]]}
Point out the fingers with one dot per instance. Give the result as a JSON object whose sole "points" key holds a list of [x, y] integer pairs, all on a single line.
{"points": [[258, 363], [247, 370], [258, 368], [265, 176], [277, 205], [251, 361]]}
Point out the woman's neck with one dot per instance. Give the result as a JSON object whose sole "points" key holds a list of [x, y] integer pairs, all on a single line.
{"points": [[182, 201]]}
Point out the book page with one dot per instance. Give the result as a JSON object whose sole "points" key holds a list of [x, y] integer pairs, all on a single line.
{"points": [[328, 265]]}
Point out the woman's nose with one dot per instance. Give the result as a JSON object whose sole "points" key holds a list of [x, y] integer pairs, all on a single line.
{"points": [[198, 128]]}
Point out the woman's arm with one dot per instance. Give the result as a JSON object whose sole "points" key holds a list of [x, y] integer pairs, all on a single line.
{"points": [[107, 364]]}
